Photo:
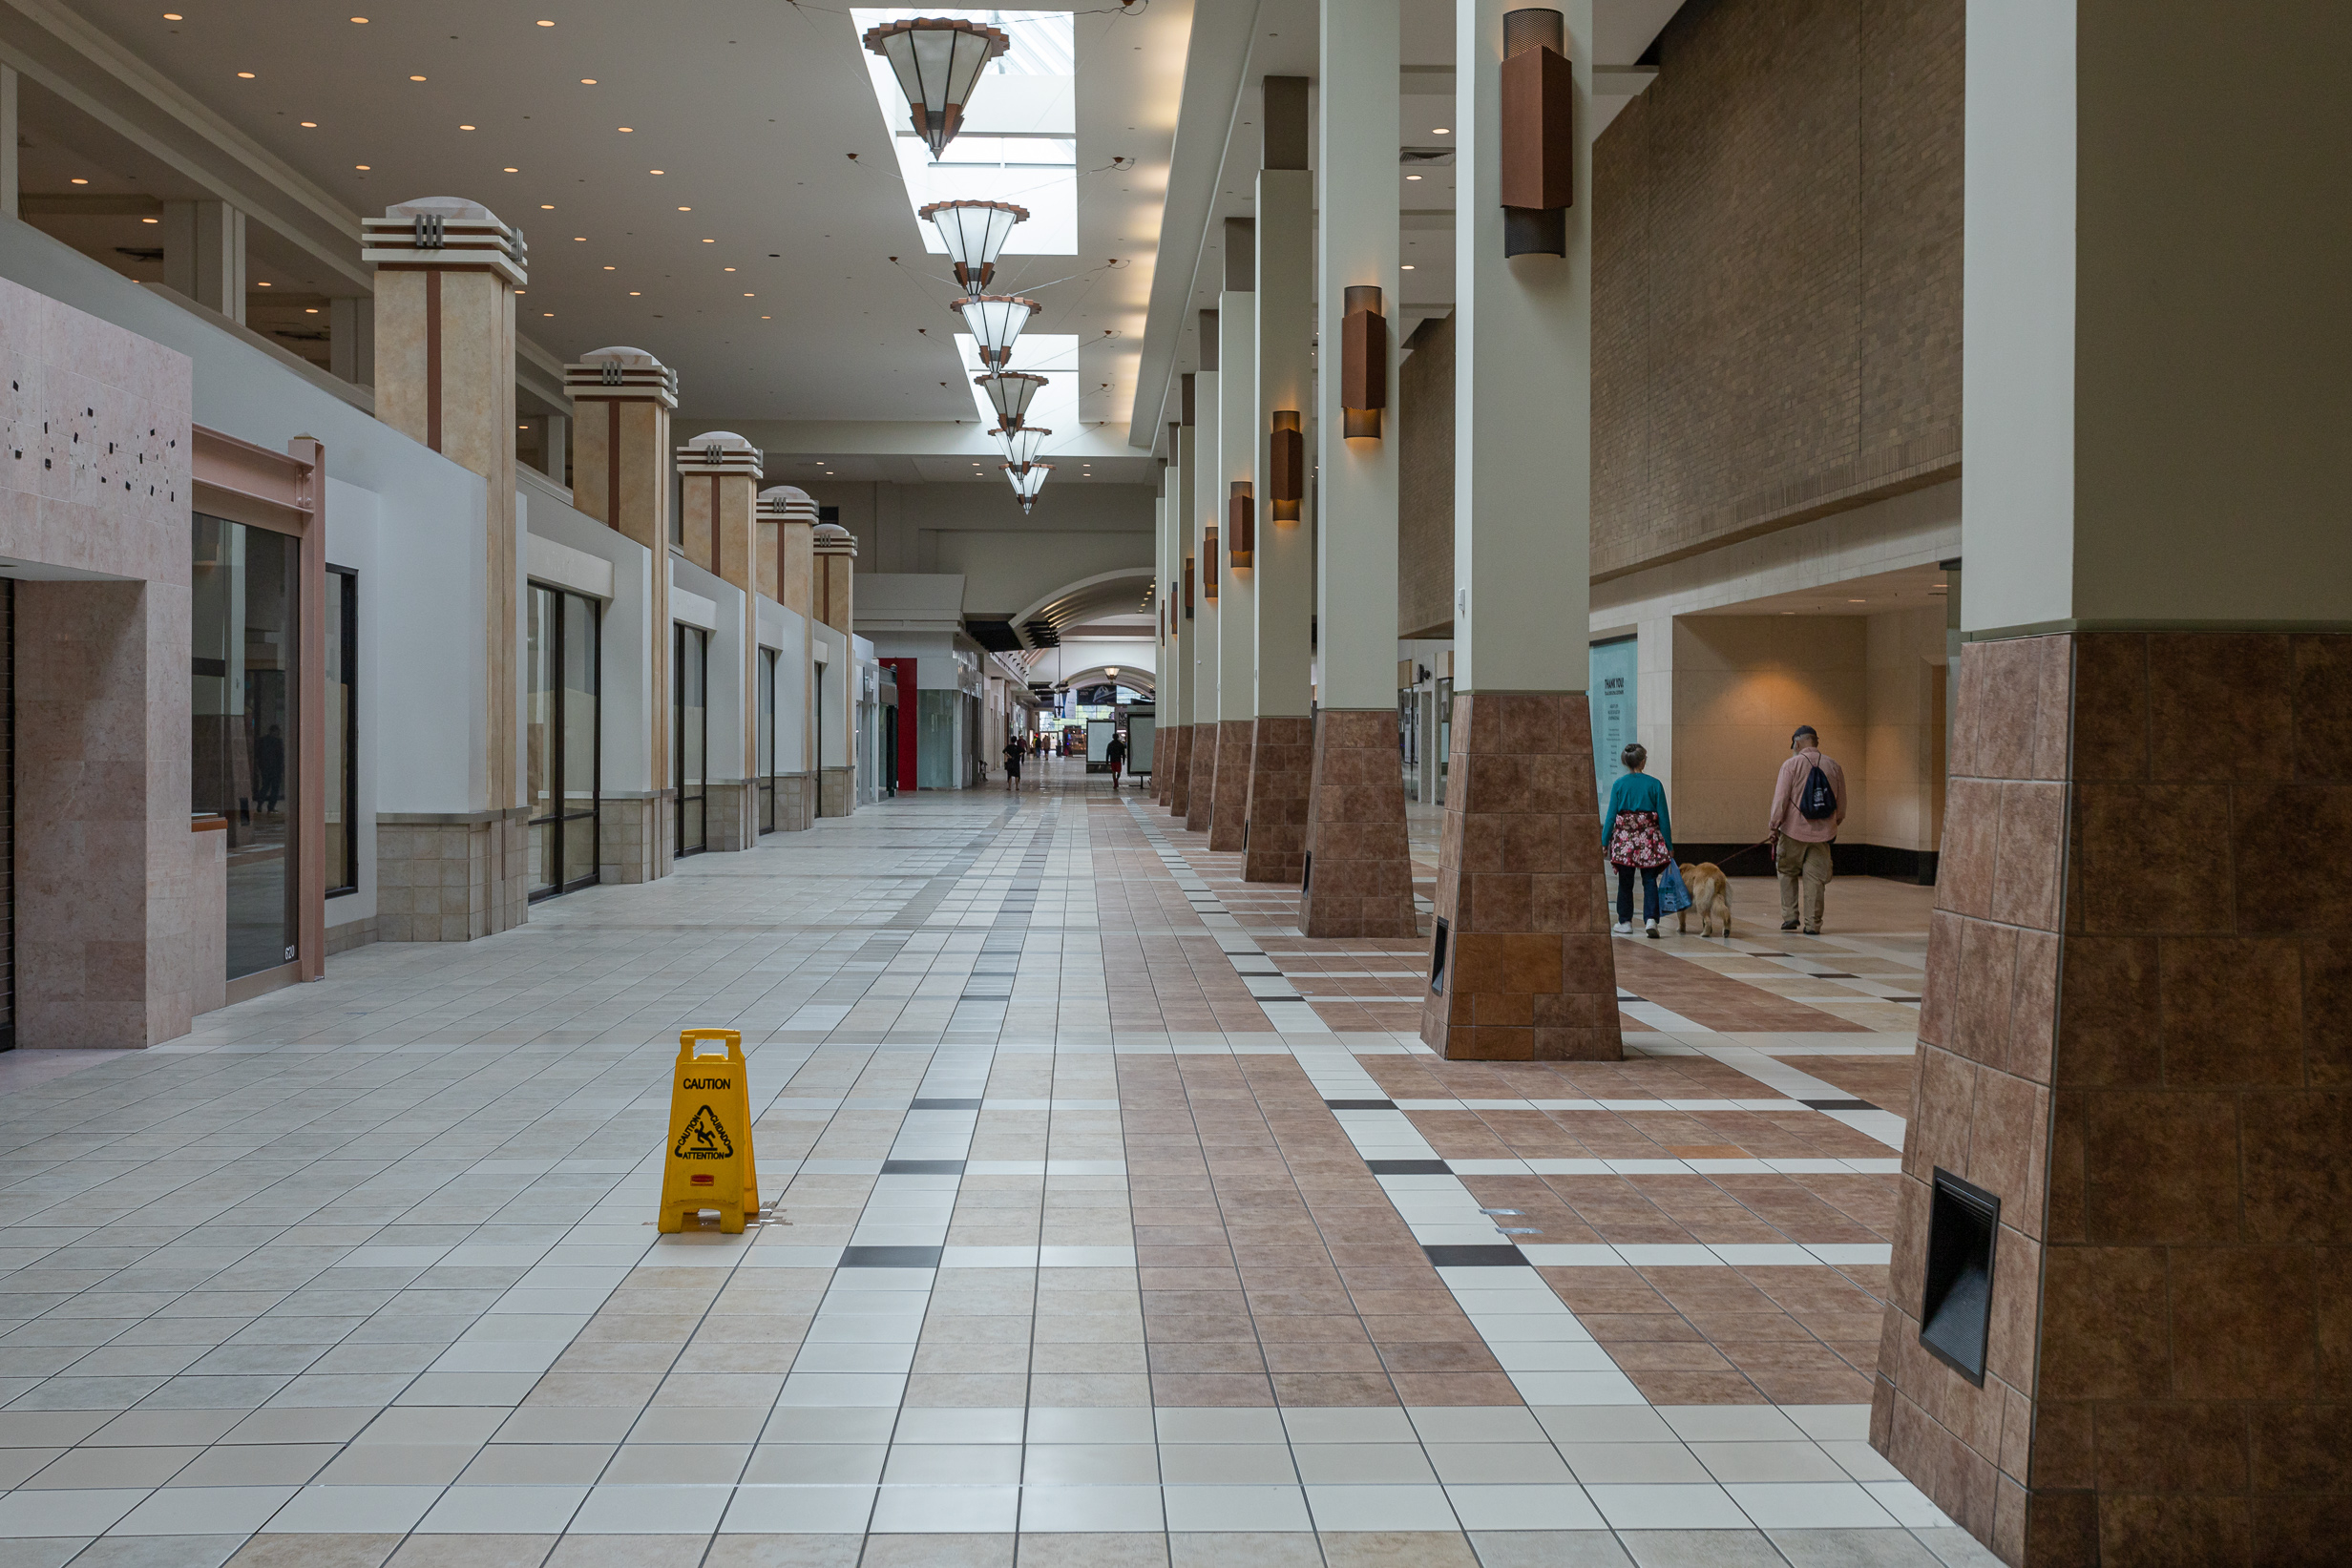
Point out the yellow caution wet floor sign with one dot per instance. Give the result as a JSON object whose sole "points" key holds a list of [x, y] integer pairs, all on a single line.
{"points": [[710, 1165]]}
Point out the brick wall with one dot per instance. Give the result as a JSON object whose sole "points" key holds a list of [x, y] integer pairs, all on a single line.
{"points": [[1775, 283], [1426, 484], [1776, 273]]}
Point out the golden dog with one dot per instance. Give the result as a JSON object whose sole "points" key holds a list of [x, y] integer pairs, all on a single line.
{"points": [[1710, 899]]}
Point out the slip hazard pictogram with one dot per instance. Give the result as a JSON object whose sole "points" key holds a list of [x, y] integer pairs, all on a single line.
{"points": [[710, 1163], [704, 1139]]}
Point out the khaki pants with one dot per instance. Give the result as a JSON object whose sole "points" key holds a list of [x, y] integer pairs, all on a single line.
{"points": [[1804, 868]]}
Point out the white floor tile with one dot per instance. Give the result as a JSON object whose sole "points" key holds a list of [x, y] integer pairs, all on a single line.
{"points": [[651, 1510], [1666, 1507], [947, 1510], [24, 1513], [1563, 1507], [353, 1510], [503, 1511], [1381, 1508], [1091, 1507], [798, 1510], [1822, 1505], [1236, 1508]]}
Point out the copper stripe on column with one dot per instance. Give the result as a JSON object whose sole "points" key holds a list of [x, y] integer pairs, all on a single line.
{"points": [[718, 540], [612, 464], [433, 360]]}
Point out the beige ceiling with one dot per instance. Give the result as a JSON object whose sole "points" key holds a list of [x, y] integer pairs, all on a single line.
{"points": [[752, 108]]}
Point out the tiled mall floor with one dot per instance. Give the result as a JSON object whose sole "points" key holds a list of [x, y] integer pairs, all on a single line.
{"points": [[1117, 1224]]}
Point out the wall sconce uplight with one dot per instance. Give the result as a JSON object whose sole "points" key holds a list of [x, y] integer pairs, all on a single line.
{"points": [[1363, 362], [1538, 133], [1241, 526], [1209, 563], [1187, 588], [1286, 466]]}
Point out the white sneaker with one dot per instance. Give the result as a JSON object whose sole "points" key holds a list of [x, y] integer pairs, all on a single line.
{"points": [[1652, 931], [1623, 928]]}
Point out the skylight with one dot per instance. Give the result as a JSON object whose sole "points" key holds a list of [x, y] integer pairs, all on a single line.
{"points": [[1020, 137]]}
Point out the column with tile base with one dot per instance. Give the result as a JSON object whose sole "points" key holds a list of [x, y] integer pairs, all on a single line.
{"points": [[1201, 803], [1358, 873], [719, 472], [833, 561], [2116, 1331], [446, 274], [1235, 465], [1184, 585], [621, 402], [790, 513], [1282, 570], [1520, 966]]}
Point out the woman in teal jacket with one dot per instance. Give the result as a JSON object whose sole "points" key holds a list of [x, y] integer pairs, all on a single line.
{"points": [[1639, 836]]}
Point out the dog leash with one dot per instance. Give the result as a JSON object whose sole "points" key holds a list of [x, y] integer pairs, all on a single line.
{"points": [[1751, 849]]}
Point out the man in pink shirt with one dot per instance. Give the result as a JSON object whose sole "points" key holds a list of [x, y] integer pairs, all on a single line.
{"points": [[1804, 824]]}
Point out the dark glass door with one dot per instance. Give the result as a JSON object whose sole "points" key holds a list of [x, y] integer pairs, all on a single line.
{"points": [[767, 739], [690, 732], [244, 629], [561, 731]]}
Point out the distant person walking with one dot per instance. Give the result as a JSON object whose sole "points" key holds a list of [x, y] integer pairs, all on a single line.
{"points": [[1012, 763], [1116, 754], [1639, 836], [1809, 801]]}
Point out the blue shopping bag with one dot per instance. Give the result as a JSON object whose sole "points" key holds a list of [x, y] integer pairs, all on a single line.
{"points": [[1672, 896]]}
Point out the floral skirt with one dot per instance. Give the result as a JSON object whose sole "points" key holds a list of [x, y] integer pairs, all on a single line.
{"points": [[1635, 840]]}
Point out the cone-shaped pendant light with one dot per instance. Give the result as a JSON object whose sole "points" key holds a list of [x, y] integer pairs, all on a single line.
{"points": [[1020, 444], [975, 232], [1027, 480], [994, 322], [937, 61], [1009, 393]]}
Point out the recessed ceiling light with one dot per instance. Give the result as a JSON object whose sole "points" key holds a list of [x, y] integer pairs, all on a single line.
{"points": [[260, 286], [608, 269], [625, 129], [1441, 131], [710, 242], [547, 206], [511, 169], [579, 239], [310, 310], [730, 269], [361, 20], [79, 181], [245, 75], [174, 16], [546, 24], [1413, 177], [151, 219], [653, 171], [1857, 601], [767, 317], [1407, 267], [587, 81], [465, 127], [361, 166], [750, 296], [416, 78], [547, 313], [635, 292]]}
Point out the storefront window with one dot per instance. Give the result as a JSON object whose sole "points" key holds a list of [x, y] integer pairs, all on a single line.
{"points": [[690, 726], [562, 720], [342, 731], [244, 634], [767, 739]]}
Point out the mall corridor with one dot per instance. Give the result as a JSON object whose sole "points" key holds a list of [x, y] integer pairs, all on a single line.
{"points": [[1115, 1224]]}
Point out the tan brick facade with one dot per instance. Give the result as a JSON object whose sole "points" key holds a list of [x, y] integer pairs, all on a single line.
{"points": [[1777, 290]]}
